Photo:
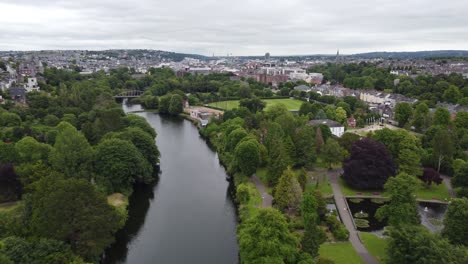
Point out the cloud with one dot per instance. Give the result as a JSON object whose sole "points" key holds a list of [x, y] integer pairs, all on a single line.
{"points": [[242, 27]]}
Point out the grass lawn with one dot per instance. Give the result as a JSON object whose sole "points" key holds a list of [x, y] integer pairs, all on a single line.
{"points": [[376, 245], [437, 192], [291, 104], [8, 206], [324, 183], [340, 253]]}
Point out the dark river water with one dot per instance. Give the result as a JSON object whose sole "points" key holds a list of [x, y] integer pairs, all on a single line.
{"points": [[188, 216]]}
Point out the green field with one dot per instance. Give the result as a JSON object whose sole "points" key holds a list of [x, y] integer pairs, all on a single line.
{"points": [[340, 253], [291, 104], [375, 245], [436, 192]]}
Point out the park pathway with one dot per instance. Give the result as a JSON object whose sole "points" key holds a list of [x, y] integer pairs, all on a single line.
{"points": [[448, 183], [347, 219], [266, 197]]}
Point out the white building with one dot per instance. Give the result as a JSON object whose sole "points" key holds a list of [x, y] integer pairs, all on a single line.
{"points": [[31, 85], [336, 128]]}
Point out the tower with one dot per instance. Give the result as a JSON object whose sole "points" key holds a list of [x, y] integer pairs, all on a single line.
{"points": [[337, 59]]}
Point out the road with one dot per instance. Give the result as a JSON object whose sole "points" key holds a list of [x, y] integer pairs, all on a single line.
{"points": [[267, 199], [347, 219]]}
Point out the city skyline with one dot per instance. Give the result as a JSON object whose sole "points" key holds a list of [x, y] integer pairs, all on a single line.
{"points": [[240, 28]]}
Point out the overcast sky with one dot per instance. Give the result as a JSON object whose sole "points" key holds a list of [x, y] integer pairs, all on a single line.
{"points": [[240, 27]]}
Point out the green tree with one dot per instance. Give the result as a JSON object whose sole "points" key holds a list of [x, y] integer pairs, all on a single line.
{"points": [[288, 192], [441, 117], [455, 227], [71, 210], [305, 146], [278, 161], [72, 154], [461, 180], [164, 103], [143, 141], [416, 245], [175, 105], [235, 137], [265, 239], [402, 208], [340, 115], [451, 95], [29, 150], [461, 120], [403, 113], [319, 142], [118, 164], [421, 117], [37, 251], [442, 147], [302, 178], [332, 153], [247, 156], [139, 121]]}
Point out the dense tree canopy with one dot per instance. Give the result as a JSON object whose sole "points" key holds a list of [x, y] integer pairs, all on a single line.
{"points": [[455, 227], [72, 154], [72, 210], [402, 208], [119, 164], [265, 239], [369, 165]]}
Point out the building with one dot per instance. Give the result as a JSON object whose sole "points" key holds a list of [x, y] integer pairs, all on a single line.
{"points": [[302, 88], [18, 94], [336, 128], [31, 85]]}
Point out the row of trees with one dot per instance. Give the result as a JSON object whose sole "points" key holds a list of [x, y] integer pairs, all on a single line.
{"points": [[452, 88], [62, 154]]}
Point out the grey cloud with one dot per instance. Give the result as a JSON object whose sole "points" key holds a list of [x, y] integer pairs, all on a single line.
{"points": [[240, 27]]}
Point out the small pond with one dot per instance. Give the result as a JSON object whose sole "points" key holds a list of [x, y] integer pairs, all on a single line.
{"points": [[363, 211]]}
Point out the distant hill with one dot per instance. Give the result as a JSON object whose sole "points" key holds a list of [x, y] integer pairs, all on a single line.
{"points": [[414, 55]]}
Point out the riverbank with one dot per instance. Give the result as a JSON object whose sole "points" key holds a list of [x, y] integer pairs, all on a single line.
{"points": [[189, 215]]}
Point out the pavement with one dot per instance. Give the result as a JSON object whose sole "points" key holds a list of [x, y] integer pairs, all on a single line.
{"points": [[267, 199], [347, 219], [448, 183]]}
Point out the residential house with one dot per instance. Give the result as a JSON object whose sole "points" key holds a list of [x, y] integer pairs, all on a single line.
{"points": [[18, 94], [336, 128]]}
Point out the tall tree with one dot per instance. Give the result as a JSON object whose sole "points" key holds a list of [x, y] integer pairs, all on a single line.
{"points": [[455, 227], [369, 165], [332, 153], [265, 238], [421, 118], [442, 147], [72, 154], [118, 164], [416, 245], [71, 210], [402, 208], [175, 105], [430, 175], [441, 117], [247, 156], [10, 185], [288, 192], [319, 142], [403, 113]]}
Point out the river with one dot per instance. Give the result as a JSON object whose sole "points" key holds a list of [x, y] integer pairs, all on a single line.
{"points": [[188, 216]]}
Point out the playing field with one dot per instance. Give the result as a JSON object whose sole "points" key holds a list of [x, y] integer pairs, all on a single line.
{"points": [[291, 104]]}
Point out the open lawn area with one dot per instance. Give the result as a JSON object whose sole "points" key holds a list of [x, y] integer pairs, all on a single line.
{"points": [[291, 104], [376, 245], [5, 207], [340, 253], [324, 186], [433, 192]]}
